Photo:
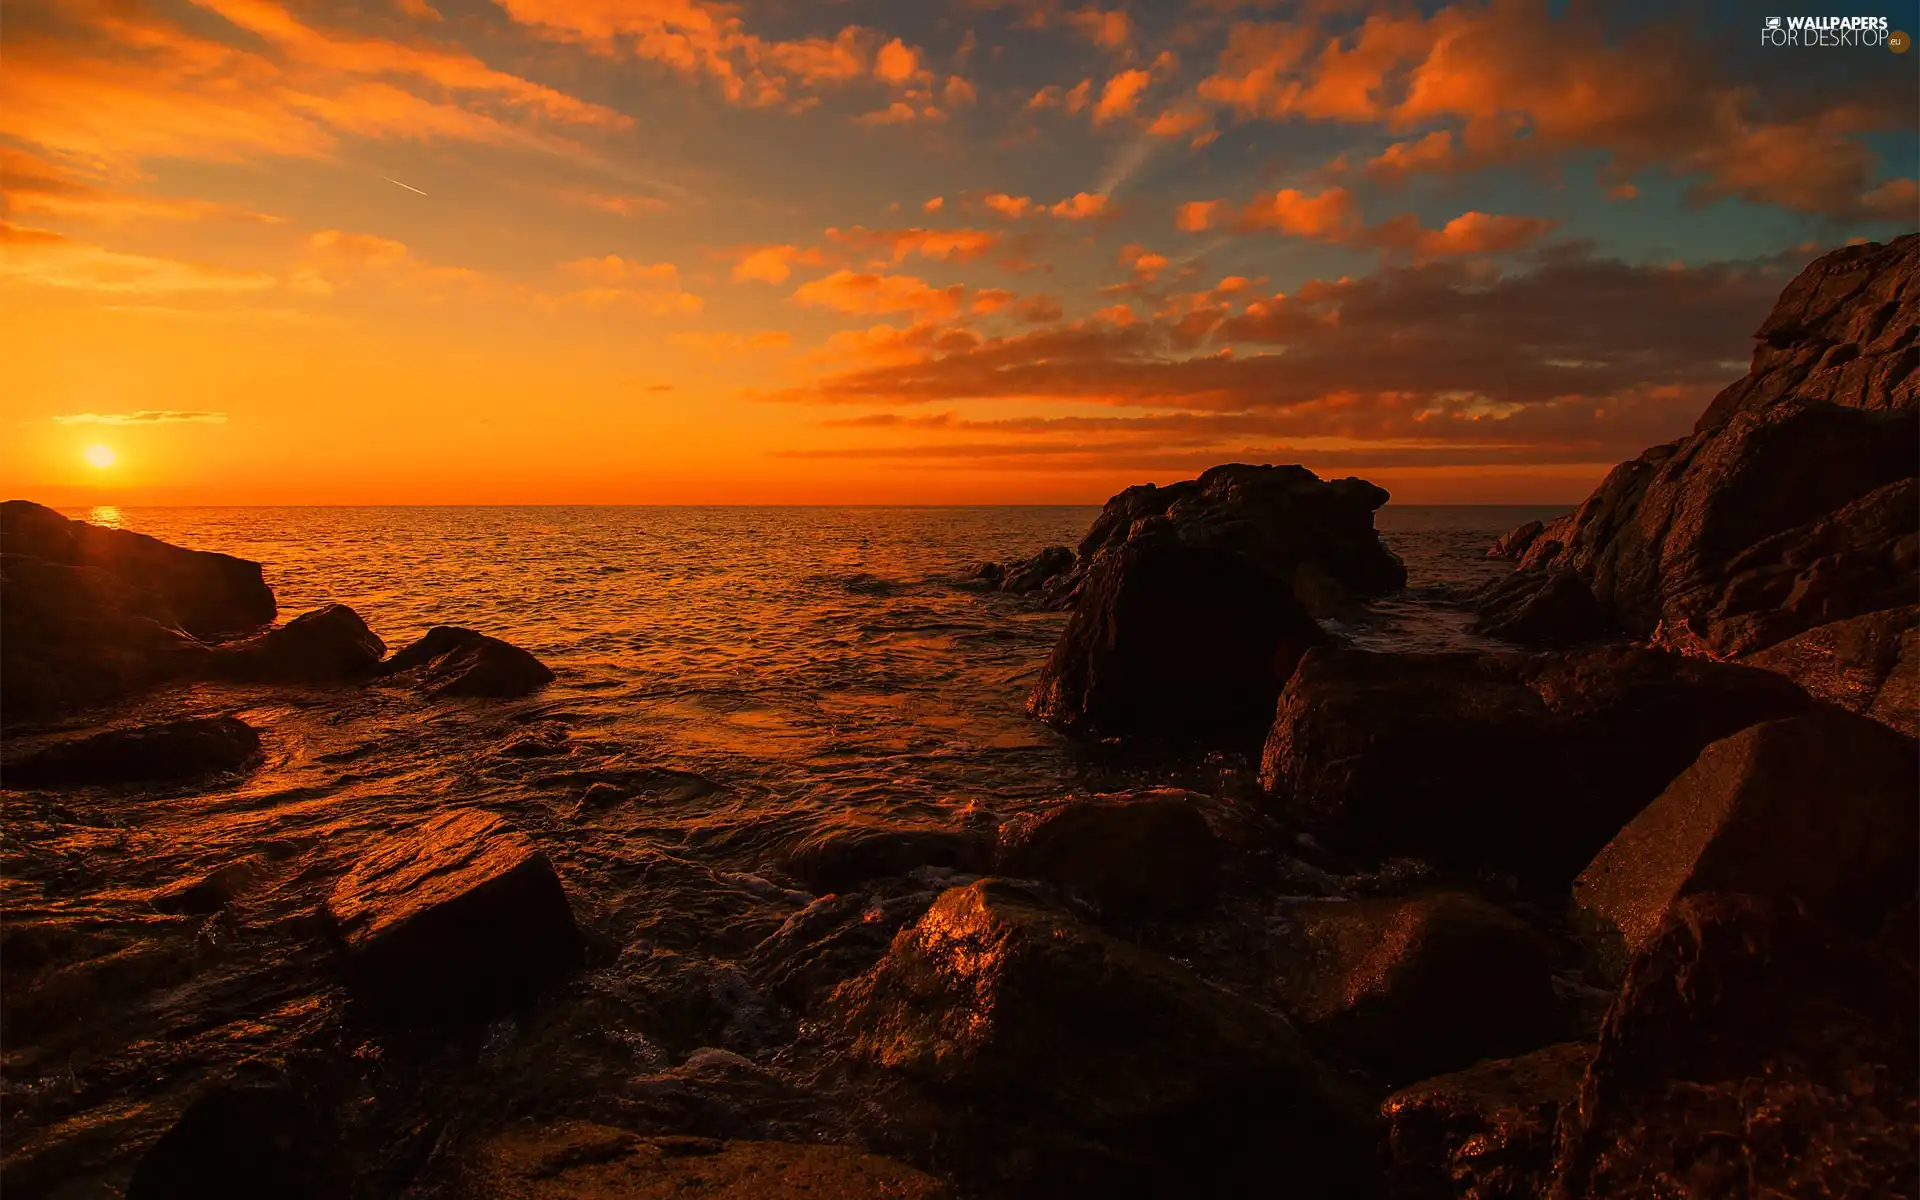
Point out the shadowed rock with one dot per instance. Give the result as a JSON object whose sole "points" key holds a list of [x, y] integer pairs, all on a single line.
{"points": [[847, 852], [1753, 1051], [450, 661], [1525, 763], [1513, 543], [1151, 852], [1485, 1133], [833, 939], [168, 752], [1819, 807], [325, 645], [460, 918], [1869, 665], [237, 1141], [573, 1160], [1049, 572]]}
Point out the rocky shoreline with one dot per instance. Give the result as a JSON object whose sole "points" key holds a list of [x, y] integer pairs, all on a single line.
{"points": [[1632, 915]]}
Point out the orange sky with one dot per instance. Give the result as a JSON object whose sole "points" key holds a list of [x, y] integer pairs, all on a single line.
{"points": [[977, 251]]}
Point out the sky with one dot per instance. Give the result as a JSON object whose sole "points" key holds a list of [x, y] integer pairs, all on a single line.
{"points": [[948, 251]]}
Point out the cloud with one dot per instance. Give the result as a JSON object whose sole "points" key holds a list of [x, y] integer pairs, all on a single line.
{"points": [[721, 344], [1011, 207], [620, 205], [1468, 233], [897, 113], [1081, 206], [941, 245], [990, 300], [29, 184], [1197, 216], [1333, 215], [146, 416], [868, 293], [774, 263], [1121, 96], [611, 269], [48, 259], [1330, 216], [934, 205]]}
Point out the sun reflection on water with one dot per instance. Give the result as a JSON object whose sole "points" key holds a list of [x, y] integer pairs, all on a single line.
{"points": [[105, 514]]}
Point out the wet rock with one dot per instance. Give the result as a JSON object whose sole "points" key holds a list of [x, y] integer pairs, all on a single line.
{"points": [[542, 742], [1151, 852], [171, 751], [450, 661], [1753, 1051], [1820, 807], [1525, 763], [1176, 639], [235, 1141], [1868, 664], [834, 939], [1547, 608], [603, 795], [576, 1161], [1513, 543], [846, 852], [459, 918], [325, 645], [1485, 1133], [1412, 987], [214, 890], [1156, 1080], [1024, 576]]}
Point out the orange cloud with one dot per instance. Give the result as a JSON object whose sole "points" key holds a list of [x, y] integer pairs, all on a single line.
{"points": [[1011, 207], [1121, 96], [612, 269], [338, 259], [869, 293], [1109, 29], [897, 113], [33, 185], [773, 264], [934, 205], [1196, 216], [990, 300], [958, 93], [720, 344], [1468, 233], [1080, 206], [1330, 216], [942, 245], [1176, 122], [48, 259]]}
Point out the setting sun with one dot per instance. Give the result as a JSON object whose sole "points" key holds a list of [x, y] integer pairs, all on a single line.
{"points": [[101, 456]]}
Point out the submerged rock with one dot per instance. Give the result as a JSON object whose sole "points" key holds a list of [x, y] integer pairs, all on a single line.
{"points": [[1485, 1133], [327, 644], [1869, 665], [1524, 763], [167, 752], [457, 919], [450, 661], [573, 1160], [849, 851], [1151, 852], [1753, 1051], [235, 1141], [1819, 807]]}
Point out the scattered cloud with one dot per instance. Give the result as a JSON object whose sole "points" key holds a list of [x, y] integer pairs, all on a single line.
{"points": [[869, 293], [45, 258], [146, 416]]}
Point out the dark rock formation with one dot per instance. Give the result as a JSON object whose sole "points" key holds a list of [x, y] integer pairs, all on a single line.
{"points": [[459, 918], [1049, 572], [450, 661], [1869, 665], [1791, 505], [1820, 807], [1485, 1133], [849, 851], [1119, 1070], [1512, 544], [834, 939], [1753, 1051], [573, 1160], [168, 752], [235, 1141], [1173, 638], [1152, 852], [1417, 986], [327, 644], [1525, 763]]}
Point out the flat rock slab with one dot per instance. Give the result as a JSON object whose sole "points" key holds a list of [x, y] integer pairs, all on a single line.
{"points": [[168, 752], [577, 1161], [460, 918], [451, 661]]}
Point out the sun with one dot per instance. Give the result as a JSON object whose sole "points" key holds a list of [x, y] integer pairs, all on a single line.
{"points": [[101, 456]]}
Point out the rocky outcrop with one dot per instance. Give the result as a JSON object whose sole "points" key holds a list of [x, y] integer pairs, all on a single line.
{"points": [[460, 918], [1869, 665], [1120, 1070], [450, 661], [1125, 854], [326, 645], [240, 1139], [1528, 764], [1753, 1051], [1819, 807], [1791, 505], [844, 853], [169, 752], [1049, 572], [1485, 1133], [1513, 543], [1173, 638], [573, 1160], [1412, 987]]}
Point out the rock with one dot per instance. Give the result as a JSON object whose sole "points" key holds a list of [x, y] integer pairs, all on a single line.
{"points": [[1024, 576], [548, 741], [1174, 639], [848, 851], [1869, 665], [1151, 852], [573, 1160], [235, 1141], [1413, 987], [1528, 764], [449, 661], [1551, 607], [1513, 543], [1900, 933], [603, 795], [834, 939], [327, 644], [168, 752], [214, 890], [1790, 506], [1073, 1038], [459, 918], [1820, 807], [1753, 1051], [1485, 1133]]}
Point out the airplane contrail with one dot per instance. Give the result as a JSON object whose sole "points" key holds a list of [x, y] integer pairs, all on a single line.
{"points": [[395, 182]]}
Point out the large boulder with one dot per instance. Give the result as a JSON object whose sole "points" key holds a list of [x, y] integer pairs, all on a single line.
{"points": [[1011, 1007], [458, 918], [1173, 638], [1820, 807], [1783, 510], [1869, 665], [1753, 1051], [450, 661], [172, 751], [325, 645], [573, 1160], [1126, 854], [1485, 1133], [1525, 763], [848, 851], [1412, 987]]}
